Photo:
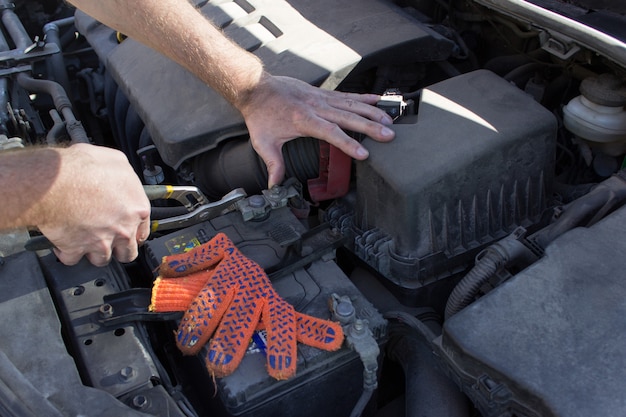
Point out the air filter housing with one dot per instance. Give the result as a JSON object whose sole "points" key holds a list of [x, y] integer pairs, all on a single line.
{"points": [[474, 163]]}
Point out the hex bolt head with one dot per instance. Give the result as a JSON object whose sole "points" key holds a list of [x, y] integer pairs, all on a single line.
{"points": [[277, 192], [358, 327], [106, 310], [127, 372], [140, 401]]}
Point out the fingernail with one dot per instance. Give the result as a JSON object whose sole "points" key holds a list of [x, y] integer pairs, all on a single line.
{"points": [[385, 131], [362, 153], [386, 119]]}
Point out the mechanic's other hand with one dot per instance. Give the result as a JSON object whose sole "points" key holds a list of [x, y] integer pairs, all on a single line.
{"points": [[96, 207], [279, 109]]}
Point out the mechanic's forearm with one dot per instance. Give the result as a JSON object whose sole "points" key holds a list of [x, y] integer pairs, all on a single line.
{"points": [[26, 176], [176, 29]]}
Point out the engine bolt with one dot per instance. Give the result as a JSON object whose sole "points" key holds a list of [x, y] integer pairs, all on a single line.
{"points": [[106, 310], [277, 192], [358, 326], [127, 372], [140, 401]]}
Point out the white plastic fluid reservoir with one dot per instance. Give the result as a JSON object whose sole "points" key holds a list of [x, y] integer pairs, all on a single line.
{"points": [[598, 115]]}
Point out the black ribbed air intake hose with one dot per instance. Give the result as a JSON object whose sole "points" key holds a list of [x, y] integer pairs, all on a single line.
{"points": [[234, 163]]}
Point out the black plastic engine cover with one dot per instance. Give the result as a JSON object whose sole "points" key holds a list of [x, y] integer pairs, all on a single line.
{"points": [[319, 42], [39, 377], [552, 340], [473, 164]]}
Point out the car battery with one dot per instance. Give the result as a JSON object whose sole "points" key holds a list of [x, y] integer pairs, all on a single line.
{"points": [[300, 265]]}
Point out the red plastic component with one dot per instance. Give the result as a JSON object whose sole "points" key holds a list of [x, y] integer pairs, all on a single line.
{"points": [[334, 174]]}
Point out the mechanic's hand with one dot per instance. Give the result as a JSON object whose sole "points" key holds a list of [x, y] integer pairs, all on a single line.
{"points": [[282, 108], [96, 207]]}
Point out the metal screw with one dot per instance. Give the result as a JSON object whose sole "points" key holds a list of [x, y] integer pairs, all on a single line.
{"points": [[277, 192], [140, 401], [127, 373], [358, 326], [106, 310]]}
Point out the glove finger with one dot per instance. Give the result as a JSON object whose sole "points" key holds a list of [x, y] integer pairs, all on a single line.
{"points": [[319, 333], [176, 294], [202, 317], [199, 258], [232, 337], [279, 319], [280, 323], [315, 332]]}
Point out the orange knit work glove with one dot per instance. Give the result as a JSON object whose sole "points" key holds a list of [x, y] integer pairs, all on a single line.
{"points": [[232, 296]]}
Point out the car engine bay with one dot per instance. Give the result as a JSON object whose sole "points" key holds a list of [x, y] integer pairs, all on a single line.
{"points": [[474, 262]]}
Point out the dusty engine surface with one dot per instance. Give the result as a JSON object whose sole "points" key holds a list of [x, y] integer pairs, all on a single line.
{"points": [[549, 309], [466, 170], [317, 42], [474, 262]]}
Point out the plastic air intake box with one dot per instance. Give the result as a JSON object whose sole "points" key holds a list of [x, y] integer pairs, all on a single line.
{"points": [[473, 164]]}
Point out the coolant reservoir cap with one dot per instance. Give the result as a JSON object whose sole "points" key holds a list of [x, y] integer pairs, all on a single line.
{"points": [[605, 89]]}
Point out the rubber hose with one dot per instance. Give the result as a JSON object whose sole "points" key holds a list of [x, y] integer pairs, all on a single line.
{"points": [[54, 89], [520, 75], [302, 158], [504, 64], [413, 322], [586, 210], [428, 391], [4, 92], [14, 27], [56, 132], [61, 103], [234, 164], [56, 61]]}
